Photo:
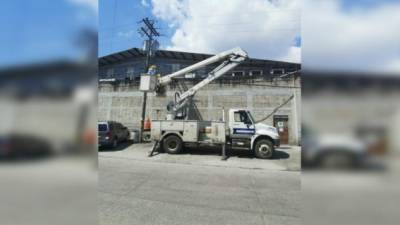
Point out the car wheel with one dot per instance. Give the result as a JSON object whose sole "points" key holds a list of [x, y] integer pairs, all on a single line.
{"points": [[172, 144], [264, 149], [337, 160]]}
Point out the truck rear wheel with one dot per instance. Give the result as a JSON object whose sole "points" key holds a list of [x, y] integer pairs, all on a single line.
{"points": [[264, 149], [172, 144]]}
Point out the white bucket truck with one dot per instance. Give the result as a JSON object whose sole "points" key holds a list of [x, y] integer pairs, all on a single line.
{"points": [[238, 131]]}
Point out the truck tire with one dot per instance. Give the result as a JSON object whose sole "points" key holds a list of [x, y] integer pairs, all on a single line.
{"points": [[264, 149], [172, 144]]}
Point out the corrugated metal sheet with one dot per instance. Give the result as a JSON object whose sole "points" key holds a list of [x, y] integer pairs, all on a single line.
{"points": [[137, 53]]}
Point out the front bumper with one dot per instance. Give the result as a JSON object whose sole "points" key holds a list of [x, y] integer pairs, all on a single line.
{"points": [[277, 142]]}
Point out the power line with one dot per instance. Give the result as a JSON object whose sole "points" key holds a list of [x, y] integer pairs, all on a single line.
{"points": [[148, 29], [269, 11], [114, 15], [276, 109], [290, 73], [281, 29], [277, 86], [208, 24]]}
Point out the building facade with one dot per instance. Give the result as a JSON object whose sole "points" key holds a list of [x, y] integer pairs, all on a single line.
{"points": [[363, 106], [259, 85]]}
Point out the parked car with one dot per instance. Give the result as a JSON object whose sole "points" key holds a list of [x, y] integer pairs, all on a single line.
{"points": [[331, 151], [18, 146], [110, 133]]}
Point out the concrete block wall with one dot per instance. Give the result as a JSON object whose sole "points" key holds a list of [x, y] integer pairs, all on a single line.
{"points": [[123, 103]]}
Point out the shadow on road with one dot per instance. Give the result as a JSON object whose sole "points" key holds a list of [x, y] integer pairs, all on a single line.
{"points": [[231, 153], [22, 158], [121, 146], [281, 155]]}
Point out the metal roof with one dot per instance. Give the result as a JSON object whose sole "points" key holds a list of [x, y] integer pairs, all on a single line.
{"points": [[52, 68], [167, 54]]}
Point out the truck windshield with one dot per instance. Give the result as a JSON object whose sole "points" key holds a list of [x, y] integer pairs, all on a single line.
{"points": [[251, 117], [242, 116]]}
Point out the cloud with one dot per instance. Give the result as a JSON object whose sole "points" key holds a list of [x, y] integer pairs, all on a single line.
{"points": [[265, 29], [171, 11], [126, 34], [392, 66], [294, 55], [90, 4], [356, 39], [145, 3]]}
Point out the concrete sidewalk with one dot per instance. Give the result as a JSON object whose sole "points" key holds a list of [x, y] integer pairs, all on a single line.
{"points": [[287, 158]]}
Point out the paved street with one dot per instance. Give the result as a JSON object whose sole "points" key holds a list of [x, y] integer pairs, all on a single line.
{"points": [[198, 188]]}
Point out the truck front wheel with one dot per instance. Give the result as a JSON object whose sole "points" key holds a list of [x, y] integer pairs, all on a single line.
{"points": [[264, 149], [172, 144]]}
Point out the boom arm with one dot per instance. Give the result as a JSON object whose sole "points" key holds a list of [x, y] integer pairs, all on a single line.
{"points": [[233, 53], [232, 59]]}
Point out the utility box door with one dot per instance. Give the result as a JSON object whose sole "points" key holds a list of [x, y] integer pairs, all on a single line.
{"points": [[147, 82], [191, 131], [218, 132], [172, 125], [155, 130]]}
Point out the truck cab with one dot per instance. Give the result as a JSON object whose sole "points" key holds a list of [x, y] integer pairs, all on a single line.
{"points": [[245, 133]]}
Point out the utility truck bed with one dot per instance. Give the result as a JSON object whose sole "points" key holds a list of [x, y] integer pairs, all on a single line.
{"points": [[212, 132]]}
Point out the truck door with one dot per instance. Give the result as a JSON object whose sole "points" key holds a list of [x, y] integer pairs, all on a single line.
{"points": [[242, 125]]}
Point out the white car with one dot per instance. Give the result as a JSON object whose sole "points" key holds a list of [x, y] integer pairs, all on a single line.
{"points": [[331, 151]]}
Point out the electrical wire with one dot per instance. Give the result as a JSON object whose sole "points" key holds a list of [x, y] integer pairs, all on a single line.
{"points": [[276, 109]]}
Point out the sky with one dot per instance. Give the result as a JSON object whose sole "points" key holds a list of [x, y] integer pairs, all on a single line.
{"points": [[337, 35], [358, 35], [118, 24], [43, 30], [265, 29], [361, 36]]}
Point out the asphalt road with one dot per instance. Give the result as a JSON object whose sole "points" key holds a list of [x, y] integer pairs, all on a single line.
{"points": [[191, 188]]}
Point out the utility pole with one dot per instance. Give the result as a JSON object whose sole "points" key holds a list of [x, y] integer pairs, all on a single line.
{"points": [[147, 29]]}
